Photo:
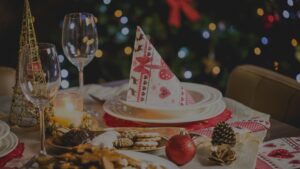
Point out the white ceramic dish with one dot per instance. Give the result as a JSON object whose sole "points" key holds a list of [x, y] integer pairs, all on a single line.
{"points": [[203, 95], [8, 144], [4, 130], [118, 109], [150, 158]]}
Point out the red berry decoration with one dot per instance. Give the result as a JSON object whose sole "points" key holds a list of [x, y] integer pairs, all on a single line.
{"points": [[181, 149]]}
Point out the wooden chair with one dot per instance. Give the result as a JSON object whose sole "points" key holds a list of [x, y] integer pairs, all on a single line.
{"points": [[266, 91], [8, 80]]}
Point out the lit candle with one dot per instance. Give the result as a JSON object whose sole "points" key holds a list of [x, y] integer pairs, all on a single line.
{"points": [[68, 109]]}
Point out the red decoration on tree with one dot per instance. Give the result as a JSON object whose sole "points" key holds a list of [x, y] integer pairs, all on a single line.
{"points": [[181, 149], [186, 6]]}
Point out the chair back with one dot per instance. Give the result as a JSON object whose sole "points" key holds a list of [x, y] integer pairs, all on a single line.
{"points": [[266, 91]]}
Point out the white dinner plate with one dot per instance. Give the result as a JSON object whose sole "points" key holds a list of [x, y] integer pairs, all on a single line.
{"points": [[8, 144], [150, 158], [203, 96], [117, 109], [4, 130]]}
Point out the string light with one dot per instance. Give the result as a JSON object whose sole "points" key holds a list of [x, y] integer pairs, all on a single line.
{"points": [[64, 73], [212, 26], [290, 2], [271, 18], [64, 84], [125, 31], [264, 40], [187, 74], [221, 26], [99, 53], [205, 34], [216, 70], [118, 13], [127, 50], [61, 58], [106, 2], [276, 65], [257, 51], [260, 12], [298, 77], [182, 53], [124, 20], [294, 42], [285, 14]]}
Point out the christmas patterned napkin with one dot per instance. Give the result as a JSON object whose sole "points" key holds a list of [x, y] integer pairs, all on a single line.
{"points": [[151, 81], [283, 153]]}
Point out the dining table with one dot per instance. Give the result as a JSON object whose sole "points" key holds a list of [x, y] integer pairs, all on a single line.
{"points": [[30, 136]]}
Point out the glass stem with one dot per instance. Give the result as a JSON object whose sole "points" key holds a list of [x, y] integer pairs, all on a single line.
{"points": [[80, 79], [42, 130]]}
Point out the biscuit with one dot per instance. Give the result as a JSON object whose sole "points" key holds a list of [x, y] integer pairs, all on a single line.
{"points": [[145, 139], [146, 144], [147, 135]]}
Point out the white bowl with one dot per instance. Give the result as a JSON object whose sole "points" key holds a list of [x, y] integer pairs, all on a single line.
{"points": [[203, 96]]}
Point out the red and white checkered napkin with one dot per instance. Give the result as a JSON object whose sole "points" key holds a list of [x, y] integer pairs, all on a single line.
{"points": [[252, 125], [283, 153], [151, 80]]}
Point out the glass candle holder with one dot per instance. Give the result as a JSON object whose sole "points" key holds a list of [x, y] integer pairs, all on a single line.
{"points": [[68, 109]]}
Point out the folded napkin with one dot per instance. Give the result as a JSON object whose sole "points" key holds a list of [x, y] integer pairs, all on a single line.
{"points": [[16, 153], [151, 81], [283, 153]]}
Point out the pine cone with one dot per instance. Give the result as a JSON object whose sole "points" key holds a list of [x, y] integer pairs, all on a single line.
{"points": [[223, 134], [222, 154], [75, 137], [123, 143]]}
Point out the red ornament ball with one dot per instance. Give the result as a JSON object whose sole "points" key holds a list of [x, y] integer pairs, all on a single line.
{"points": [[181, 149]]}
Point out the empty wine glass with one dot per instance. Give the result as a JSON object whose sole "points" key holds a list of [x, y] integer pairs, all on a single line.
{"points": [[79, 40], [39, 76]]}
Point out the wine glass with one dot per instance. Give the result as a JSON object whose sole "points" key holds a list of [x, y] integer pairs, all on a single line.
{"points": [[79, 40], [39, 76]]}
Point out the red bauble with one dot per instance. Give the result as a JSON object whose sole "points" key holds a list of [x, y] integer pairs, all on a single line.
{"points": [[181, 149]]}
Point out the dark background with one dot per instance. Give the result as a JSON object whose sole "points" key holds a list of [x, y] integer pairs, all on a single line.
{"points": [[239, 31]]}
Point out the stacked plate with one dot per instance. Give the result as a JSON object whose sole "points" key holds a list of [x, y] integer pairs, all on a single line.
{"points": [[8, 140], [208, 104]]}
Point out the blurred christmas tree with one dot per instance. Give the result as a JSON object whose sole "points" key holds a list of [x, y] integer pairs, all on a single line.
{"points": [[202, 41]]}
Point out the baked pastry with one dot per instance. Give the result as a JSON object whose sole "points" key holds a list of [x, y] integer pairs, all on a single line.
{"points": [[86, 156], [123, 143]]}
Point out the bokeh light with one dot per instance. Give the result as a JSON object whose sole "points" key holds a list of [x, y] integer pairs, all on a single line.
{"points": [[212, 26], [257, 51], [99, 53], [294, 42], [127, 50], [118, 13], [188, 74], [260, 12]]}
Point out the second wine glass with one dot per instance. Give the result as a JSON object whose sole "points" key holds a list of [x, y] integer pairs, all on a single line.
{"points": [[79, 40]]}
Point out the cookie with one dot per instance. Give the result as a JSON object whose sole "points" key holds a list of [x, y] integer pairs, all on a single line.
{"points": [[123, 143], [131, 134], [145, 139], [147, 135], [146, 144], [141, 148]]}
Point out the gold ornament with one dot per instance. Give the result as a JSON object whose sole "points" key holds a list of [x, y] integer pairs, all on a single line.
{"points": [[222, 154], [22, 112]]}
